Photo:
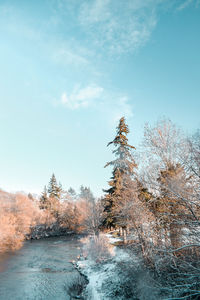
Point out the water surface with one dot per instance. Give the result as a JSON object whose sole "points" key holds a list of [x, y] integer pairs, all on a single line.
{"points": [[39, 270]]}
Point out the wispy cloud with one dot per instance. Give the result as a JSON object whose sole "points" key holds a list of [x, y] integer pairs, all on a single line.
{"points": [[109, 103], [82, 97], [13, 23], [119, 26], [123, 108], [185, 4], [66, 56], [56, 48], [114, 106], [93, 27]]}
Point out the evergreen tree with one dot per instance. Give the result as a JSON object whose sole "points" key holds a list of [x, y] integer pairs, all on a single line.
{"points": [[60, 191], [30, 196], [44, 200], [54, 189], [72, 192], [86, 194], [170, 209], [122, 174], [145, 196]]}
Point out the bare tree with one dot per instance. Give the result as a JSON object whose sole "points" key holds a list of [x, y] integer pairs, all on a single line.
{"points": [[173, 178], [165, 142], [193, 162]]}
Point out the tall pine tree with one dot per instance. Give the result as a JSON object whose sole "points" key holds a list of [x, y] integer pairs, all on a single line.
{"points": [[44, 200], [72, 192], [54, 189], [86, 194], [122, 174]]}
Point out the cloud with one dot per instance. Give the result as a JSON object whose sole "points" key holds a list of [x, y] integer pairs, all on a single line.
{"points": [[123, 108], [185, 4], [114, 106], [82, 97], [110, 26], [119, 26], [109, 103], [66, 56], [44, 34], [82, 31], [116, 27], [13, 22]]}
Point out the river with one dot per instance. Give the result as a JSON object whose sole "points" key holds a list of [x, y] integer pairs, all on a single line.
{"points": [[39, 270]]}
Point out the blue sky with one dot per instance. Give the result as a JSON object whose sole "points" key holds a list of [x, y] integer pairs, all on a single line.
{"points": [[69, 69]]}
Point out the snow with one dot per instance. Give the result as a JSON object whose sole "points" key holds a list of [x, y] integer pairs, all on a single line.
{"points": [[112, 239], [99, 273]]}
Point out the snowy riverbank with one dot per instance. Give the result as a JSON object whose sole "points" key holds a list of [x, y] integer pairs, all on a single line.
{"points": [[104, 276]]}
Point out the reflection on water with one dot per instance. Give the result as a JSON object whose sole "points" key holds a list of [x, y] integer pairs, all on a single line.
{"points": [[39, 270]]}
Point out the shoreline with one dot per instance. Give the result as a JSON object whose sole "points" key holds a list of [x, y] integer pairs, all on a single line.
{"points": [[100, 273]]}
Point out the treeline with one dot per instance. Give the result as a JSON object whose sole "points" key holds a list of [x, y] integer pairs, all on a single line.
{"points": [[18, 213], [55, 212], [154, 200], [78, 212]]}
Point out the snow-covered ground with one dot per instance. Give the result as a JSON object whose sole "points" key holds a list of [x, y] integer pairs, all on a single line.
{"points": [[100, 274], [122, 275]]}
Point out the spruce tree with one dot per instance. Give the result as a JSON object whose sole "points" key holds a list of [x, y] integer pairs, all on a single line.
{"points": [[122, 175], [86, 193], [44, 200], [72, 192], [54, 189]]}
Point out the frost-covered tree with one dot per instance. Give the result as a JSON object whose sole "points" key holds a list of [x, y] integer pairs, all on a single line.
{"points": [[123, 170], [54, 189], [170, 176], [55, 195], [44, 199], [169, 208], [86, 193], [72, 193]]}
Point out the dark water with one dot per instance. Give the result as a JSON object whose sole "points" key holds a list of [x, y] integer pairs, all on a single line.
{"points": [[40, 270]]}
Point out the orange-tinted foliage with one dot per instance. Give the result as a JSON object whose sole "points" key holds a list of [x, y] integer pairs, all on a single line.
{"points": [[17, 214], [73, 215]]}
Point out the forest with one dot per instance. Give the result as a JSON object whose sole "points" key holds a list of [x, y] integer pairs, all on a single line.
{"points": [[152, 202]]}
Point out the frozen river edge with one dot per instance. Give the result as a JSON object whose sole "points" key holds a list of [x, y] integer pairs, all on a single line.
{"points": [[103, 281]]}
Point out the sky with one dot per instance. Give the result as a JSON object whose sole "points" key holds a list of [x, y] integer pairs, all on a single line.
{"points": [[69, 69]]}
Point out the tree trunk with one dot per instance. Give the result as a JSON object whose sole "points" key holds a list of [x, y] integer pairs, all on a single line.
{"points": [[124, 236], [175, 235], [120, 231], [128, 230]]}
